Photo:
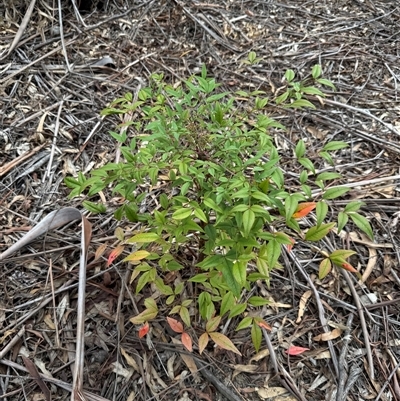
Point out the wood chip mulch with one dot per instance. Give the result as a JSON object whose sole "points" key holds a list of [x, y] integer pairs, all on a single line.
{"points": [[59, 67]]}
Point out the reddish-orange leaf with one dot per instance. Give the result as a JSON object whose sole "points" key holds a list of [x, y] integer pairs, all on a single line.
{"points": [[114, 254], [264, 324], [348, 267], [175, 325], [296, 350], [290, 246], [303, 209], [187, 341], [203, 341], [144, 330]]}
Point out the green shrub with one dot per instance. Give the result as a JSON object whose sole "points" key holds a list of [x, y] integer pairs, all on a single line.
{"points": [[201, 172]]}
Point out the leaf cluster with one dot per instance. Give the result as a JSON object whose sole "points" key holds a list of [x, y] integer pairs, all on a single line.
{"points": [[203, 166]]}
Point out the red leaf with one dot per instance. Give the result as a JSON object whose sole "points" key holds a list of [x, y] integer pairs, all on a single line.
{"points": [[114, 254], [187, 341], [264, 325], [175, 325], [144, 330], [296, 350], [290, 246], [348, 267], [303, 209]]}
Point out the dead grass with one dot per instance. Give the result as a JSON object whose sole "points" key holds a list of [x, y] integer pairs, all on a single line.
{"points": [[54, 82]]}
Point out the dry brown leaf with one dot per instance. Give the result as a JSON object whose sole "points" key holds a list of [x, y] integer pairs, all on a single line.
{"points": [[270, 392], [189, 361], [243, 369], [302, 305], [49, 321], [30, 366], [130, 360], [325, 354], [260, 355], [335, 333]]}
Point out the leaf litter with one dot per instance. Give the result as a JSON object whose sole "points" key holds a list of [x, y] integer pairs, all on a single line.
{"points": [[54, 82]]}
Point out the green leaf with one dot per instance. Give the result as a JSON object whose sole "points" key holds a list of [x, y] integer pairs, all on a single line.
{"points": [[182, 213], [335, 192], [229, 278], [342, 220], [307, 163], [150, 304], [335, 145], [145, 316], [326, 156], [353, 206], [226, 303], [363, 224], [144, 238], [273, 253], [212, 205], [185, 316], [321, 211], [326, 82], [71, 182], [303, 177], [258, 301], [316, 233], [316, 71], [200, 215], [237, 310], [311, 90], [199, 278], [289, 75], [213, 323], [341, 254], [245, 323], [297, 104], [327, 176], [256, 336], [300, 149], [224, 342], [239, 272], [163, 288], [94, 207], [248, 221], [291, 204], [324, 268]]}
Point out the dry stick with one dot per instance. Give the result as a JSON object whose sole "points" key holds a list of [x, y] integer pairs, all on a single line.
{"points": [[221, 387], [53, 297], [77, 382], [342, 359], [53, 146], [9, 166], [34, 62], [360, 311], [360, 183], [362, 111], [38, 113], [117, 319], [77, 13], [11, 344], [59, 383], [321, 312], [22, 28], [286, 379], [208, 30], [60, 21]]}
